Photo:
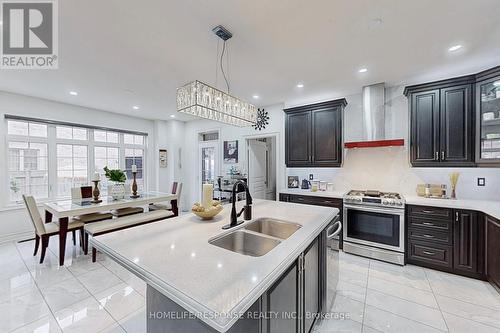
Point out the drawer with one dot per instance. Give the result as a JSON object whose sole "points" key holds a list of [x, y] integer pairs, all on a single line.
{"points": [[430, 235], [430, 212], [430, 224], [430, 254], [318, 201]]}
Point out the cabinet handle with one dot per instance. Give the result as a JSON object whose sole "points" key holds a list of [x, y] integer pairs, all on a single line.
{"points": [[442, 155], [456, 216], [428, 223], [429, 253], [428, 236], [436, 157], [427, 211]]}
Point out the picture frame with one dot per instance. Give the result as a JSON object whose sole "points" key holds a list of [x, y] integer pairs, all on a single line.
{"points": [[293, 182], [231, 152]]}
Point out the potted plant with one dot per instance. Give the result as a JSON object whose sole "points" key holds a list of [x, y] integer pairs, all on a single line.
{"points": [[117, 178]]}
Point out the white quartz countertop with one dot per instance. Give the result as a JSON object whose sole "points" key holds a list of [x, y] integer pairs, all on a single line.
{"points": [[324, 194], [174, 257], [491, 208]]}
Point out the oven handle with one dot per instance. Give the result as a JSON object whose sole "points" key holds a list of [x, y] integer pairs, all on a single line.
{"points": [[330, 234], [376, 210]]}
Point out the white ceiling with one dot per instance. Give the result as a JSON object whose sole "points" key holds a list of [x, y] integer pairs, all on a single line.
{"points": [[120, 53]]}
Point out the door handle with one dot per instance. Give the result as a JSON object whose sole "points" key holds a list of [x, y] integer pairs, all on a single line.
{"points": [[330, 234]]}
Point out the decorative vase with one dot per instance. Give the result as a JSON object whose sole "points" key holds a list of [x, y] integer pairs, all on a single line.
{"points": [[117, 191], [453, 194]]}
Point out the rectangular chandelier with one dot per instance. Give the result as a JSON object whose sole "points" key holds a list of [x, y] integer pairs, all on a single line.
{"points": [[201, 100]]}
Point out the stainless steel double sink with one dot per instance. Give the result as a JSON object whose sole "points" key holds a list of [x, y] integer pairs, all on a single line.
{"points": [[256, 238]]}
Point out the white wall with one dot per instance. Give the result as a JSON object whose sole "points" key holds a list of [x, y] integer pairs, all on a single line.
{"points": [[14, 223]]}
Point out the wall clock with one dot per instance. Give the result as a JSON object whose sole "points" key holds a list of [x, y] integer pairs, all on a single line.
{"points": [[262, 119]]}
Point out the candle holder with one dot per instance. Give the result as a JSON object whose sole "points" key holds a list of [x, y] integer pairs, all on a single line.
{"points": [[134, 187], [96, 193]]}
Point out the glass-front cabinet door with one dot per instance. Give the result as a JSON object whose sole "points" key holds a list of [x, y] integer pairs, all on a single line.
{"points": [[488, 121]]}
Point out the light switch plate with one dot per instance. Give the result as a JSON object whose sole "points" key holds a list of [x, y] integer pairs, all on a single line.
{"points": [[481, 182]]}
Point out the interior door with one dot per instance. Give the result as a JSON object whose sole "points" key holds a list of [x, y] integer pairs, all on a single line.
{"points": [[257, 168]]}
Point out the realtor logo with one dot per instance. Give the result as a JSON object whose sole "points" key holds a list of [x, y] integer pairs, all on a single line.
{"points": [[29, 35]]}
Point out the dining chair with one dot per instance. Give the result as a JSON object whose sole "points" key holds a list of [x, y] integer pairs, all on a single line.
{"points": [[176, 189], [43, 231], [85, 193]]}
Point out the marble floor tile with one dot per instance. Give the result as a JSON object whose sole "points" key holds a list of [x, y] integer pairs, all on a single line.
{"points": [[353, 277], [407, 275], [461, 325], [387, 322], [402, 291], [121, 301], [115, 328], [84, 317], [469, 311], [367, 329], [407, 309], [468, 290], [135, 322], [17, 286], [99, 280], [351, 309], [47, 324], [81, 264], [339, 326], [63, 294], [21, 310], [350, 290]]}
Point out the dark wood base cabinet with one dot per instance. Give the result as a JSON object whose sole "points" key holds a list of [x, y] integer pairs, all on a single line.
{"points": [[316, 201], [450, 240], [493, 251]]}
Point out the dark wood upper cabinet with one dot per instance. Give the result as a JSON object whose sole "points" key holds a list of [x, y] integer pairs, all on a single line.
{"points": [[425, 127], [298, 133], [313, 134], [457, 141], [441, 123], [488, 117]]}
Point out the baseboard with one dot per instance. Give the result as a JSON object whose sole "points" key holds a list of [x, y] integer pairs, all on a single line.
{"points": [[18, 236]]}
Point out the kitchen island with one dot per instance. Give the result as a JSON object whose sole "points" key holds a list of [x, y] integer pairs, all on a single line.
{"points": [[197, 286]]}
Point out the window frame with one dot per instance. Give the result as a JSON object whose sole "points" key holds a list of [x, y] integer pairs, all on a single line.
{"points": [[52, 141]]}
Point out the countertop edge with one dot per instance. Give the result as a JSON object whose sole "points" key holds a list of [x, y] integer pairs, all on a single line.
{"points": [[193, 306], [468, 204], [321, 194]]}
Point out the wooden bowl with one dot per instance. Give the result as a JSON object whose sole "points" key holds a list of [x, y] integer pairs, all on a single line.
{"points": [[209, 214]]}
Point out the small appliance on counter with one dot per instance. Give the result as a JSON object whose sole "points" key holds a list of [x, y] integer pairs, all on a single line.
{"points": [[305, 184]]}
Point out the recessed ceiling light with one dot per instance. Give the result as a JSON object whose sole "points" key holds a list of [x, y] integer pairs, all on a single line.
{"points": [[363, 70], [73, 93], [135, 107], [300, 85], [256, 96], [172, 116], [455, 48]]}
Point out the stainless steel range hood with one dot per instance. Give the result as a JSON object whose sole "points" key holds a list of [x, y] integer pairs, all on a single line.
{"points": [[373, 115]]}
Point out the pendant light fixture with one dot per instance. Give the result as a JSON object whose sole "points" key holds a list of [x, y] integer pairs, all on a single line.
{"points": [[202, 100]]}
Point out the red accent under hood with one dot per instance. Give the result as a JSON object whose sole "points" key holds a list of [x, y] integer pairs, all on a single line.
{"points": [[379, 143]]}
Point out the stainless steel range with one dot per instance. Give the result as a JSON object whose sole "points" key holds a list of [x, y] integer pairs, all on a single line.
{"points": [[374, 225]]}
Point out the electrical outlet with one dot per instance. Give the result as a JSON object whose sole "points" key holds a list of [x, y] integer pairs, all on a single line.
{"points": [[481, 182], [311, 176]]}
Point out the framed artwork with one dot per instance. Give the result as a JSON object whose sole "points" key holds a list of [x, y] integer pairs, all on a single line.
{"points": [[231, 151], [293, 181], [163, 158]]}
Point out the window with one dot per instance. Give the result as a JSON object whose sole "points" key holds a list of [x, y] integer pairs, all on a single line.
{"points": [[73, 153], [71, 168]]}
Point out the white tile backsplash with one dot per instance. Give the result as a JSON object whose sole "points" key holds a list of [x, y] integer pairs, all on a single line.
{"points": [[388, 169]]}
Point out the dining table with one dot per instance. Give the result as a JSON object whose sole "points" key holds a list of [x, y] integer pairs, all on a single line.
{"points": [[64, 210]]}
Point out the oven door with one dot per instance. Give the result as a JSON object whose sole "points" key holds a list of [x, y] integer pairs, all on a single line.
{"points": [[374, 226]]}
